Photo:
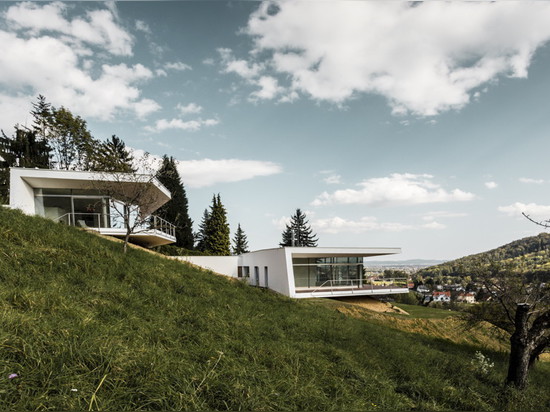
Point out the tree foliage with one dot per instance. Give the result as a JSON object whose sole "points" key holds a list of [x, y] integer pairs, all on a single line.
{"points": [[298, 232], [113, 156], [240, 242], [176, 211], [213, 237], [519, 306]]}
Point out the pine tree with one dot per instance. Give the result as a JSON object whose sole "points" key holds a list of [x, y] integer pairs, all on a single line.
{"points": [[200, 236], [298, 232], [216, 239], [240, 242], [113, 156], [42, 114], [176, 211]]}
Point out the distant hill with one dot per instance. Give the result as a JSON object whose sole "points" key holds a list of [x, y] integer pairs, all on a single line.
{"points": [[531, 254]]}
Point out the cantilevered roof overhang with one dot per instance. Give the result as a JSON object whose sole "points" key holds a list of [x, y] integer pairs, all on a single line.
{"points": [[312, 252], [127, 183]]}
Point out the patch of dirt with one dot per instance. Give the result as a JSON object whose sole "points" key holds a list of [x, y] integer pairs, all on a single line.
{"points": [[372, 304]]}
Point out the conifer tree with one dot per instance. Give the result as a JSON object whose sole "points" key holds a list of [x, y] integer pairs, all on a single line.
{"points": [[200, 236], [113, 156], [216, 234], [176, 211], [298, 232], [240, 242]]}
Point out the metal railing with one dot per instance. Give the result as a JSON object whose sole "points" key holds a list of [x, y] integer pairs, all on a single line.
{"points": [[98, 221], [355, 285]]}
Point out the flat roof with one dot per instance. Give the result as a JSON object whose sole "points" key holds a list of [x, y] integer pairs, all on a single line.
{"points": [[337, 251], [77, 179]]}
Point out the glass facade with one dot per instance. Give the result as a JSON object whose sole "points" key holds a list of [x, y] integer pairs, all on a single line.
{"points": [[84, 208], [327, 271]]}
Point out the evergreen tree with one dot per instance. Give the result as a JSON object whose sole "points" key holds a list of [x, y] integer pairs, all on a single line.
{"points": [[23, 149], [240, 242], [113, 156], [298, 232], [43, 117], [216, 234], [176, 210], [200, 236]]}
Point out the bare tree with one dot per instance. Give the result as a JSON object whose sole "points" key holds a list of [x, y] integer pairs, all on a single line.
{"points": [[134, 197], [519, 306]]}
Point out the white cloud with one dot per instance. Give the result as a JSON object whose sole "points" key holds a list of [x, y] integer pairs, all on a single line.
{"points": [[269, 88], [143, 27], [99, 28], [178, 66], [365, 224], [333, 179], [424, 58], [207, 172], [187, 125], [531, 209], [396, 189], [531, 181], [71, 78], [191, 108], [491, 185]]}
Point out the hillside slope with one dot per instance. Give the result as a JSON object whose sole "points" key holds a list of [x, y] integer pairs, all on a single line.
{"points": [[532, 254], [84, 326]]}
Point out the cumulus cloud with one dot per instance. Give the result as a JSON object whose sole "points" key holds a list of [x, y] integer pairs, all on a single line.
{"points": [[98, 28], [396, 189], [424, 58], [531, 181], [531, 209], [491, 185], [191, 108], [187, 125], [71, 78]]}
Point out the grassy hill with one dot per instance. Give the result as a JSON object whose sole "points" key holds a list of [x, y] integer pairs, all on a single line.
{"points": [[530, 254], [86, 327]]}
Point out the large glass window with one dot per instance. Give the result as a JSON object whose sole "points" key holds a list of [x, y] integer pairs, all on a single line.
{"points": [[328, 272]]}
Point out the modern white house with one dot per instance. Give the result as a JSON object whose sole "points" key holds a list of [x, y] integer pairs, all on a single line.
{"points": [[306, 272], [76, 198]]}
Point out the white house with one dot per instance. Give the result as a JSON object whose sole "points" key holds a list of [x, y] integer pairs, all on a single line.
{"points": [[306, 272], [75, 198]]}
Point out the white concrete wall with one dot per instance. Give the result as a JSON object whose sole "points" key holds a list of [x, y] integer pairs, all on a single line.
{"points": [[275, 261], [21, 193], [225, 265]]}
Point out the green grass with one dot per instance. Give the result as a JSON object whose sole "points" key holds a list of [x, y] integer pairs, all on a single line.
{"points": [[86, 327]]}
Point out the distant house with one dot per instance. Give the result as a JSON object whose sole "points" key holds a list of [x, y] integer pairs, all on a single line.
{"points": [[466, 297], [441, 296], [73, 198], [306, 272], [422, 289]]}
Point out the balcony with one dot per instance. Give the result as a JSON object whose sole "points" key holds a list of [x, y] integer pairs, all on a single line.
{"points": [[152, 231], [356, 287]]}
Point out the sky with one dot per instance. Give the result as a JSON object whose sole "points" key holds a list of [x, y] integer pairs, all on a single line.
{"points": [[423, 126]]}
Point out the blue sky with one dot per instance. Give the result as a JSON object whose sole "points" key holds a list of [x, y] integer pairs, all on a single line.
{"points": [[422, 126]]}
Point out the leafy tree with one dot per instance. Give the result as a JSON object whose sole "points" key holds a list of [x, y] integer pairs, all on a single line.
{"points": [[176, 211], [240, 242], [213, 237], [113, 156], [519, 307], [72, 143], [298, 232]]}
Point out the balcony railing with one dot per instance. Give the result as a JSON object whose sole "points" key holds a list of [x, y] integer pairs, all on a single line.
{"points": [[358, 285], [99, 221]]}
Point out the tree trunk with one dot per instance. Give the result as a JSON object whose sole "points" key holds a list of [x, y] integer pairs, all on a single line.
{"points": [[520, 349]]}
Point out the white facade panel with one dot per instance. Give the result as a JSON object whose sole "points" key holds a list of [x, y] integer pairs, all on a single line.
{"points": [[277, 270], [225, 265]]}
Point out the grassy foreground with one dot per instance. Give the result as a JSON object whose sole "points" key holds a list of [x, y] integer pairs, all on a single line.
{"points": [[85, 327]]}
